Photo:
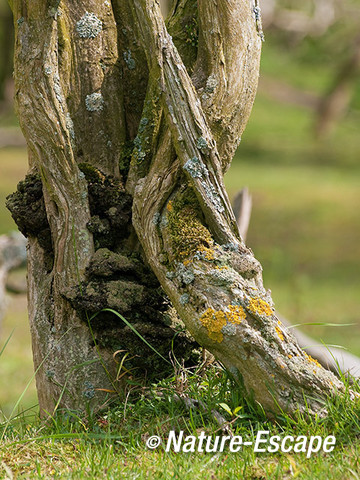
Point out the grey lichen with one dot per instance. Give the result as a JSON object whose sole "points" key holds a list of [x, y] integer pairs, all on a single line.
{"points": [[213, 196], [164, 221], [229, 329], [89, 393], [89, 26], [258, 20], [184, 299], [130, 62], [143, 123], [202, 145], [170, 275], [57, 88], [211, 84], [235, 371], [222, 278], [195, 167], [257, 12], [239, 297], [185, 275], [47, 70], [231, 247], [94, 102], [156, 218], [20, 21], [70, 126], [139, 152]]}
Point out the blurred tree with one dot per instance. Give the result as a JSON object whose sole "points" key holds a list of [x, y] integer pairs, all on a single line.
{"points": [[6, 56], [127, 154], [336, 102], [301, 19]]}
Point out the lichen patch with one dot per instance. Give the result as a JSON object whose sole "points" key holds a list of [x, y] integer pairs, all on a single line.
{"points": [[89, 25], [94, 102], [195, 167], [279, 331], [130, 62], [257, 306], [312, 360], [219, 322], [188, 234]]}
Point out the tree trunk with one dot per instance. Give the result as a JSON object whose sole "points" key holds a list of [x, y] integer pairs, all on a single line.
{"points": [[129, 148]]}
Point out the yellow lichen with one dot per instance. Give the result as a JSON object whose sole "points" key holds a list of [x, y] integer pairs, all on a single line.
{"points": [[312, 360], [223, 267], [169, 206], [214, 320], [236, 314], [279, 333], [209, 253], [259, 306]]}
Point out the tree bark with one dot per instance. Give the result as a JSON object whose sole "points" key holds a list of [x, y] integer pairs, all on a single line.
{"points": [[120, 116]]}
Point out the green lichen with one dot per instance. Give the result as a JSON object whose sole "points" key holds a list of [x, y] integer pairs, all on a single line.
{"points": [[187, 233], [125, 158], [92, 174]]}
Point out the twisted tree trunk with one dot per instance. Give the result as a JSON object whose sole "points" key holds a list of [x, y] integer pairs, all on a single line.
{"points": [[119, 115]]}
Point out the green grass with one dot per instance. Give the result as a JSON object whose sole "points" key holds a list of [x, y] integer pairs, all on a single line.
{"points": [[112, 445]]}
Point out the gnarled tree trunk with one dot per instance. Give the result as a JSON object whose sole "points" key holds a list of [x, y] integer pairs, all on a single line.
{"points": [[131, 125]]}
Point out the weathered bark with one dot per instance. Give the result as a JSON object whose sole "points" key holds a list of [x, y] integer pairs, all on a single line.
{"points": [[122, 136], [80, 122], [213, 280]]}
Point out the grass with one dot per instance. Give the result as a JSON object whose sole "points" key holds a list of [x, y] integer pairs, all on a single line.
{"points": [[112, 445]]}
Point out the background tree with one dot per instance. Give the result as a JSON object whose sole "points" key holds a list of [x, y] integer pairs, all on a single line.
{"points": [[127, 153], [7, 50]]}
